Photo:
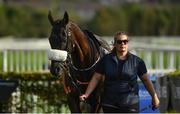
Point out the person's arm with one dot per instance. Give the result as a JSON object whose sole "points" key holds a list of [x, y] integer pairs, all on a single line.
{"points": [[92, 85], [149, 86]]}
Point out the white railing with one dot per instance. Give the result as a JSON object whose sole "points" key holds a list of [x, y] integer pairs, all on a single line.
{"points": [[25, 60], [24, 55], [31, 56], [159, 61]]}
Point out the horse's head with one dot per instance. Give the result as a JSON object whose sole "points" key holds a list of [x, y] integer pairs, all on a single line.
{"points": [[59, 42]]}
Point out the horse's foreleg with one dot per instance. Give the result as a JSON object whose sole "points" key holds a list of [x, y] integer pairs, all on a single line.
{"points": [[72, 97], [73, 103]]}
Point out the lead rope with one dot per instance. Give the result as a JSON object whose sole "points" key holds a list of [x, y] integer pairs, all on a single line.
{"points": [[73, 82], [67, 71]]}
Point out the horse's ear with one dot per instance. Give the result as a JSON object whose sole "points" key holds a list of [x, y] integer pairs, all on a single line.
{"points": [[51, 20], [65, 18]]}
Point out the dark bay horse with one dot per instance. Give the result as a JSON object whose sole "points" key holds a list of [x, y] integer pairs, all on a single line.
{"points": [[75, 53]]}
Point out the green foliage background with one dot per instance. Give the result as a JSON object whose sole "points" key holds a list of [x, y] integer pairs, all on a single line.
{"points": [[138, 20], [48, 89]]}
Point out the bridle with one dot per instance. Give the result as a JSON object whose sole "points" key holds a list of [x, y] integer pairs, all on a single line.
{"points": [[69, 39], [68, 65], [68, 62]]}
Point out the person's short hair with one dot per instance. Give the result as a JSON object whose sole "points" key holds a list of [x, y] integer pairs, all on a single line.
{"points": [[119, 33]]}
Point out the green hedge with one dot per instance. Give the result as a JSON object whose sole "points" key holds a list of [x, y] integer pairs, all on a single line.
{"points": [[27, 76], [174, 74], [48, 90]]}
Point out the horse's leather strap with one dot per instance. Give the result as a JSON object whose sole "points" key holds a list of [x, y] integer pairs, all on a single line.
{"points": [[67, 89], [82, 83]]}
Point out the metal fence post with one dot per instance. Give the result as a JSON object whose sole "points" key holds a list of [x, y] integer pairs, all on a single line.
{"points": [[5, 61]]}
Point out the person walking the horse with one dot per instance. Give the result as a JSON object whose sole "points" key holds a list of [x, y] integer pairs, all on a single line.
{"points": [[120, 70]]}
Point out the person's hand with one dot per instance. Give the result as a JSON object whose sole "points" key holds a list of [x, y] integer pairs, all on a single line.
{"points": [[83, 97], [155, 102]]}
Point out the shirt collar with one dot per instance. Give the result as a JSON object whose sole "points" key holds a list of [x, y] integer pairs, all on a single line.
{"points": [[114, 56]]}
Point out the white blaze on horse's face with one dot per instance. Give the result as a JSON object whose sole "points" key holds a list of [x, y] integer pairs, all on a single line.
{"points": [[57, 55]]}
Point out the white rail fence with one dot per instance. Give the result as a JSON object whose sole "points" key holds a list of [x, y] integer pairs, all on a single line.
{"points": [[24, 60], [159, 60]]}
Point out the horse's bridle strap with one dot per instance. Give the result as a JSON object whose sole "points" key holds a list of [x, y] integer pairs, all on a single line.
{"points": [[82, 83], [67, 89]]}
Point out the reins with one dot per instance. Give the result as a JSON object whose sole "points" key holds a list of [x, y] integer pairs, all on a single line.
{"points": [[69, 63], [64, 66], [85, 69]]}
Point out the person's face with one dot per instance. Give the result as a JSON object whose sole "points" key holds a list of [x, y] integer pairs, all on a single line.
{"points": [[121, 43]]}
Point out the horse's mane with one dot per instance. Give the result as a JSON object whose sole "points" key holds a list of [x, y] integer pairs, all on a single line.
{"points": [[79, 35], [101, 41]]}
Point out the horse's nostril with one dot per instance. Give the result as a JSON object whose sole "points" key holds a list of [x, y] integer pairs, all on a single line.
{"points": [[54, 71]]}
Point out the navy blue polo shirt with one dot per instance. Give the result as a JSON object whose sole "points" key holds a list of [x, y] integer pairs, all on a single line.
{"points": [[120, 76]]}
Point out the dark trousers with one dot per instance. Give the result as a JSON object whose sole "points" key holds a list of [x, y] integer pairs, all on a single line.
{"points": [[117, 109]]}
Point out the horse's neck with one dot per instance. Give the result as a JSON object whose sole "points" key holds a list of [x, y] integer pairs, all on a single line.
{"points": [[82, 46]]}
